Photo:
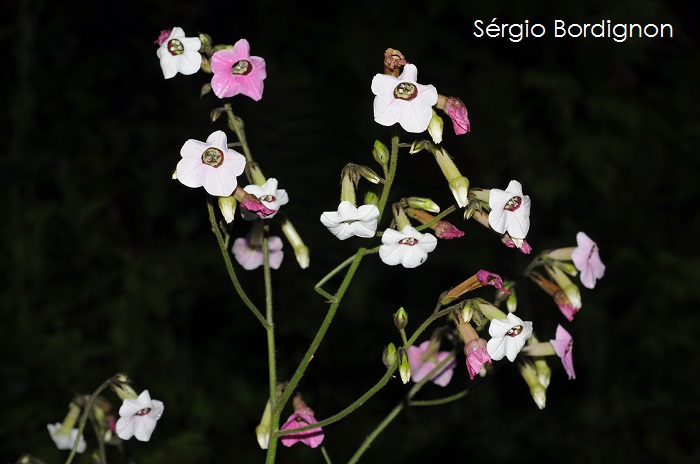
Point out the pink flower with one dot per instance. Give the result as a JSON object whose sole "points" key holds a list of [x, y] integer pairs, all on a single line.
{"points": [[563, 345], [235, 71], [162, 37], [477, 356], [447, 230], [524, 247], [457, 112], [251, 257], [211, 165], [422, 362], [587, 260], [253, 204], [303, 416], [489, 278]]}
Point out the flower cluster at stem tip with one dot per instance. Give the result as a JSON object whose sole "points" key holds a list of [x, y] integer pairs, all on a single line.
{"points": [[399, 102]]}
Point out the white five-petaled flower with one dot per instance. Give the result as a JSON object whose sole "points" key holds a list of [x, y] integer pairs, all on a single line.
{"points": [[587, 260], [351, 221], [508, 336], [138, 417], [211, 165], [408, 247], [403, 100], [65, 441], [269, 195], [510, 211], [179, 54]]}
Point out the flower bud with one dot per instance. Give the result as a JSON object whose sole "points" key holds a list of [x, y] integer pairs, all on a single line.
{"points": [[544, 373], [512, 301], [262, 431], [404, 366], [435, 128], [426, 204], [227, 205], [389, 355], [301, 251], [368, 174], [400, 318], [371, 198], [537, 390], [471, 208], [570, 289], [419, 145], [215, 113], [380, 153], [120, 386], [488, 310], [206, 88]]}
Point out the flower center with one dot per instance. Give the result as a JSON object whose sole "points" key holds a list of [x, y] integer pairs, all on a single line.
{"points": [[513, 204], [144, 412], [405, 91], [267, 198], [514, 331], [213, 157], [175, 47], [410, 241], [241, 67]]}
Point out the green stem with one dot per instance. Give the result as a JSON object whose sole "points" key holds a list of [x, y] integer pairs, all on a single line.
{"points": [[236, 124], [354, 406], [271, 359], [229, 266], [447, 399], [397, 409], [84, 417]]}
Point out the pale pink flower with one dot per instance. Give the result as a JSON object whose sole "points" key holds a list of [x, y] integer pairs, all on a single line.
{"points": [[477, 356], [423, 363], [138, 417], [403, 100], [211, 165], [587, 260], [251, 257], [235, 71], [563, 345]]}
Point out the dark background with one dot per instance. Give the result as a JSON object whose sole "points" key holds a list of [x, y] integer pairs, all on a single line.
{"points": [[111, 266]]}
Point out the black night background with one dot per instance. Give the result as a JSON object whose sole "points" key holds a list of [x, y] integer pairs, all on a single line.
{"points": [[111, 266]]}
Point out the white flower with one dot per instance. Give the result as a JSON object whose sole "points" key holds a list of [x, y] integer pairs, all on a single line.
{"points": [[510, 211], [508, 336], [351, 221], [268, 194], [211, 165], [138, 417], [409, 247], [179, 54], [401, 99], [65, 441]]}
